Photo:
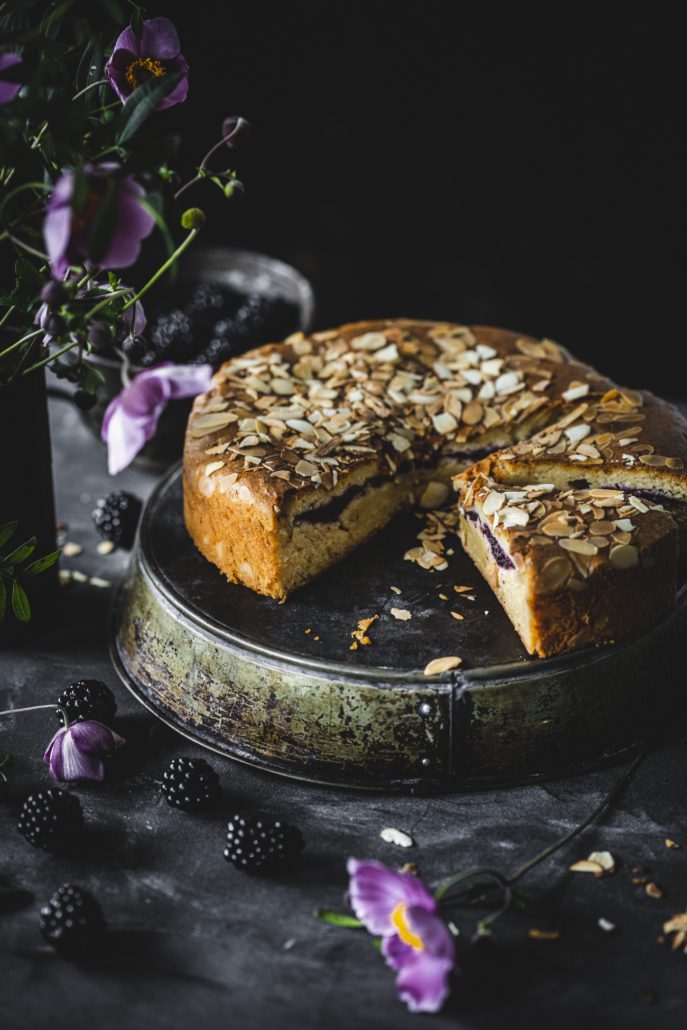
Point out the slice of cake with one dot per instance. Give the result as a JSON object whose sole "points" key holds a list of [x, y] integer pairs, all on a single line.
{"points": [[571, 567]]}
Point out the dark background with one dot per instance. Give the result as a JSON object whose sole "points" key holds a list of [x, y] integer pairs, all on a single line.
{"points": [[485, 167]]}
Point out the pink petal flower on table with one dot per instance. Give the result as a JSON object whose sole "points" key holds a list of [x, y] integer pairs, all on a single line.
{"points": [[156, 54], [416, 942], [76, 752], [70, 222], [132, 416], [8, 89]]}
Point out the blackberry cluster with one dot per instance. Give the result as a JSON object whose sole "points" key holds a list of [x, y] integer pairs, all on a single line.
{"points": [[87, 699], [116, 516], [49, 818], [72, 922], [261, 845], [171, 338], [190, 784]]}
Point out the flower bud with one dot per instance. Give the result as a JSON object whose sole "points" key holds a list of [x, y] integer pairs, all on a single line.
{"points": [[135, 348], [234, 130], [99, 335], [53, 294], [193, 218], [55, 325]]}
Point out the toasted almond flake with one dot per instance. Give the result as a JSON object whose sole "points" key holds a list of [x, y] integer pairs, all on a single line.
{"points": [[654, 891], [98, 581], [439, 665], [574, 392], [106, 547], [670, 843], [606, 925], [79, 577], [214, 466], [637, 503], [402, 614], [554, 573], [605, 859], [70, 550], [578, 432], [458, 616], [674, 463], [396, 590], [623, 556], [543, 935], [493, 502], [434, 495], [624, 525], [578, 546], [202, 424], [472, 413], [586, 866], [305, 468], [398, 837]]}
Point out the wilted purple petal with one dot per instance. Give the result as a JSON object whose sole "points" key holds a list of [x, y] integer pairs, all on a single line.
{"points": [[68, 763], [92, 737], [131, 418], [8, 89], [375, 891]]}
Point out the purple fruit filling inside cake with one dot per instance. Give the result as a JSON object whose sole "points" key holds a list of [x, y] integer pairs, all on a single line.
{"points": [[500, 556]]}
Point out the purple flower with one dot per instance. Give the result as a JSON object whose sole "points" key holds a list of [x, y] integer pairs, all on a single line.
{"points": [[8, 89], [416, 943], [157, 53], [70, 221], [131, 417], [76, 752]]}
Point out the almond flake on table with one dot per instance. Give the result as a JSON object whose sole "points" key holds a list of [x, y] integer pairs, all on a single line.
{"points": [[71, 550], [606, 924], [105, 547], [398, 837], [395, 590], [438, 665], [402, 614], [543, 935], [671, 843], [654, 891]]}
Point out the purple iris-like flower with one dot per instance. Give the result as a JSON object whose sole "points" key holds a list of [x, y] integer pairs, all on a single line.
{"points": [[131, 417], [416, 942], [8, 89], [156, 54], [70, 221], [76, 752]]}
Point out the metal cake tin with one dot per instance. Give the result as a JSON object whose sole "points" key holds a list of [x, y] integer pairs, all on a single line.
{"points": [[276, 685]]}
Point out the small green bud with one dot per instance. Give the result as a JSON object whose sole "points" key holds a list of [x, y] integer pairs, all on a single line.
{"points": [[194, 218], [229, 189]]}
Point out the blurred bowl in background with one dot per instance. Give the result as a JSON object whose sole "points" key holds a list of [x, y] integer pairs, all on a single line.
{"points": [[241, 272]]}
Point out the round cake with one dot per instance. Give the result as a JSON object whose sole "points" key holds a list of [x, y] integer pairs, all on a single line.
{"points": [[302, 450]]}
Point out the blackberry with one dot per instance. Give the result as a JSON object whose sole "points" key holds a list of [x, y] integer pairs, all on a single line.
{"points": [[206, 302], [47, 819], [72, 921], [85, 401], [116, 516], [190, 784], [172, 336], [87, 699], [261, 845]]}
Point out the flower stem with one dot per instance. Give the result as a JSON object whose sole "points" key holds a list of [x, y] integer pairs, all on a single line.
{"points": [[163, 268], [203, 164], [51, 357], [92, 85], [609, 798], [7, 314], [32, 708], [18, 343]]}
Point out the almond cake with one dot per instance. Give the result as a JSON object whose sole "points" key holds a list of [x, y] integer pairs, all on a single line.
{"points": [[301, 451]]}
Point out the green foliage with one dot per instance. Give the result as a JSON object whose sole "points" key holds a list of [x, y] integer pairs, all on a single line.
{"points": [[13, 569]]}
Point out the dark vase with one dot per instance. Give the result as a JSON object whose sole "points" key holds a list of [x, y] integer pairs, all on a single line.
{"points": [[26, 487]]}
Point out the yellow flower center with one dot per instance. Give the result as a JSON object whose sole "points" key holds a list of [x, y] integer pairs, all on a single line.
{"points": [[142, 69], [398, 918]]}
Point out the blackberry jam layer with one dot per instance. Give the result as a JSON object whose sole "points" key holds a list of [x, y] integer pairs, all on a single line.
{"points": [[498, 553]]}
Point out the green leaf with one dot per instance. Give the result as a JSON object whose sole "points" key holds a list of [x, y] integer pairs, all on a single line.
{"points": [[41, 564], [142, 103], [3, 599], [20, 602], [337, 919], [7, 531], [5, 761], [21, 553], [92, 379]]}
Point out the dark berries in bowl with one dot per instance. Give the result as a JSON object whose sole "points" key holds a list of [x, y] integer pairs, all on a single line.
{"points": [[87, 699], [261, 845], [72, 922], [190, 784], [116, 517], [50, 818]]}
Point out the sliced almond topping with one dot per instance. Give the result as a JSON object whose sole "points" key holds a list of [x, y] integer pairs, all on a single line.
{"points": [[493, 502], [305, 468], [579, 546], [623, 556], [554, 574], [214, 466], [472, 413], [402, 614], [438, 665]]}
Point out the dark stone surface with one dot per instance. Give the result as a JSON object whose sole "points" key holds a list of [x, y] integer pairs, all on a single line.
{"points": [[195, 942]]}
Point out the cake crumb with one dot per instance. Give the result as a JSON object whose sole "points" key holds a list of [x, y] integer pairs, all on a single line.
{"points": [[360, 634]]}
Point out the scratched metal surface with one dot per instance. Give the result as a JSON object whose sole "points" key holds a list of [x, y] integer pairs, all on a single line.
{"points": [[195, 943]]}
